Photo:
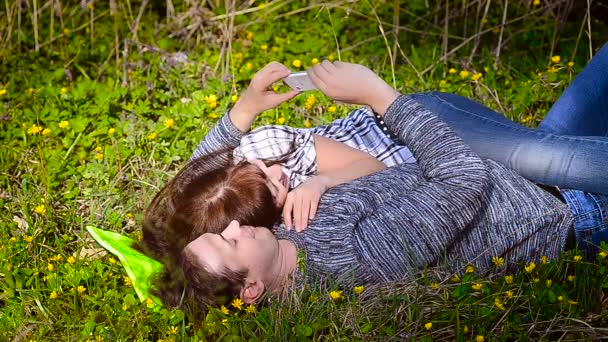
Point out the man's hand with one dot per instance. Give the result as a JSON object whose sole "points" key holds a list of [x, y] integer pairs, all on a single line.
{"points": [[353, 83], [302, 202], [259, 96]]}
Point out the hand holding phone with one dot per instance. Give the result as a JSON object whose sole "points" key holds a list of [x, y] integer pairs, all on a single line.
{"points": [[299, 81]]}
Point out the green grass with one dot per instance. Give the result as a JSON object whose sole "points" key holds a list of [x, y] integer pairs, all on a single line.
{"points": [[88, 137]]}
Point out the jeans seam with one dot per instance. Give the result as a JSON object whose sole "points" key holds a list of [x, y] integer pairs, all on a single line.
{"points": [[527, 130]]}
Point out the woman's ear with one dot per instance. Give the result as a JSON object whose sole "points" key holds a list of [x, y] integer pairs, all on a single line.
{"points": [[252, 291]]}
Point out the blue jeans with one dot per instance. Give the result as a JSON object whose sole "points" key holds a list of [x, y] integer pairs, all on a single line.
{"points": [[569, 149]]}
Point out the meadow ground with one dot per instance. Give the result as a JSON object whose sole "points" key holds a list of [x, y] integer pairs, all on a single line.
{"points": [[104, 101]]}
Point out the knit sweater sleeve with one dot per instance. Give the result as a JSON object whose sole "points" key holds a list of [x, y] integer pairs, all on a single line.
{"points": [[414, 226], [224, 135]]}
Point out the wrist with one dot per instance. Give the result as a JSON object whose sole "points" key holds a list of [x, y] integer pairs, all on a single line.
{"points": [[242, 116], [383, 100]]}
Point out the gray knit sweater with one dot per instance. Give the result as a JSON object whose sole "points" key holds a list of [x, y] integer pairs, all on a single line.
{"points": [[450, 209]]}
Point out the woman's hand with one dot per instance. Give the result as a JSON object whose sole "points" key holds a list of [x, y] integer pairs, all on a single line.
{"points": [[259, 96], [302, 202], [353, 83]]}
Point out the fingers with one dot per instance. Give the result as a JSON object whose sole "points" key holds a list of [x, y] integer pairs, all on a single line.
{"points": [[314, 204], [269, 74], [316, 79], [287, 209]]}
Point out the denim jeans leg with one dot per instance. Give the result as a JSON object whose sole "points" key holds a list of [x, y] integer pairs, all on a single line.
{"points": [[590, 213], [583, 107], [569, 162]]}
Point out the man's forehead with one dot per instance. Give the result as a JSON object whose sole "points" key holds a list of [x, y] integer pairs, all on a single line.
{"points": [[206, 249]]}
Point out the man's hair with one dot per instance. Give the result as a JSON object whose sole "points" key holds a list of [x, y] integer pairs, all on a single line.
{"points": [[204, 197], [189, 286]]}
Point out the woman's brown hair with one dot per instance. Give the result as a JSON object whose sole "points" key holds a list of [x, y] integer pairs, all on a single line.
{"points": [[204, 197]]}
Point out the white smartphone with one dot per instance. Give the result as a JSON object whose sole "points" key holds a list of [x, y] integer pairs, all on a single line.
{"points": [[299, 81]]}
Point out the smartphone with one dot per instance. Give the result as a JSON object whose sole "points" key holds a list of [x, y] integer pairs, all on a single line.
{"points": [[299, 81]]}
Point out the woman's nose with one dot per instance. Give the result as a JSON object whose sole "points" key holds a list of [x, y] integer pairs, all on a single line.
{"points": [[232, 230]]}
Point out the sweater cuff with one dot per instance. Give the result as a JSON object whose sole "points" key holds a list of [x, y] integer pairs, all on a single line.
{"points": [[231, 131]]}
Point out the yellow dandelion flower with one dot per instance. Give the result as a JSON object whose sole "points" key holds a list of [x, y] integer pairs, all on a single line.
{"points": [[213, 115], [486, 69], [111, 131], [480, 338], [571, 302], [465, 329], [224, 310], [127, 281], [28, 238], [477, 286], [111, 260], [331, 57], [335, 294], [428, 326], [251, 309], [3, 92], [332, 109], [443, 83], [530, 267], [296, 63], [498, 304], [314, 61], [211, 101], [455, 278], [53, 295], [249, 35], [71, 260], [469, 269], [560, 298], [81, 289], [90, 6], [225, 323], [549, 282], [40, 209], [13, 240], [552, 70], [498, 261], [66, 31], [476, 76], [602, 254], [435, 286], [149, 301], [275, 88], [46, 131], [359, 289], [125, 307], [544, 259], [64, 124], [307, 124], [264, 47], [173, 330], [571, 64], [536, 2], [555, 59], [234, 98], [310, 102], [281, 120], [578, 258], [571, 278], [249, 66], [535, 280], [63, 91], [98, 156], [35, 129], [452, 71], [152, 135], [464, 74], [50, 267], [509, 294], [98, 149], [237, 303], [169, 123]]}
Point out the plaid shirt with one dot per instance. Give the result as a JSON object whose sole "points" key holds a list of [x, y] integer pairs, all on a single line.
{"points": [[359, 130]]}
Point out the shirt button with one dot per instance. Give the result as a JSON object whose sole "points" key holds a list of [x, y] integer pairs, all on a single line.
{"points": [[300, 140], [385, 129], [381, 122]]}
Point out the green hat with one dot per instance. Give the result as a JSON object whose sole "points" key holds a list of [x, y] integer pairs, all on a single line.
{"points": [[139, 267]]}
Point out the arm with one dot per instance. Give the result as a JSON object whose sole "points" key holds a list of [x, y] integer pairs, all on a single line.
{"points": [[351, 164], [441, 204], [256, 99], [337, 163]]}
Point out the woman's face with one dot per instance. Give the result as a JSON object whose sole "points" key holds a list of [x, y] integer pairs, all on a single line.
{"points": [[279, 183]]}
